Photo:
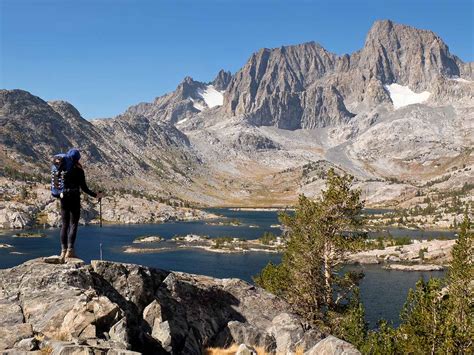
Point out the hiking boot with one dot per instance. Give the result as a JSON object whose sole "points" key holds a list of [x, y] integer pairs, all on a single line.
{"points": [[63, 254], [70, 254]]}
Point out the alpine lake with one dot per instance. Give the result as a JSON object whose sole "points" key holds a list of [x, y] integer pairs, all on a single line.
{"points": [[383, 292]]}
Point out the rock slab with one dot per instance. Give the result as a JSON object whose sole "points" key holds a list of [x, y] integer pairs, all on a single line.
{"points": [[115, 308]]}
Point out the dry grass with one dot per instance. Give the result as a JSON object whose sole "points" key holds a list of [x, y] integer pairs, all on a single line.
{"points": [[47, 350], [60, 335], [232, 350], [221, 351]]}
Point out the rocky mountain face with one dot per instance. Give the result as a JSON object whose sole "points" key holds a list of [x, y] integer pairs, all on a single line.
{"points": [[36, 129], [127, 150], [222, 80], [397, 114], [114, 308], [171, 107], [405, 55], [278, 87], [156, 148], [189, 98], [305, 86]]}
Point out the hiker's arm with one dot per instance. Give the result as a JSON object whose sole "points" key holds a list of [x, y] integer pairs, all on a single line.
{"points": [[84, 185]]}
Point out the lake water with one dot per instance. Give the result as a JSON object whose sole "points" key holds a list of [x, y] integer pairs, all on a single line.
{"points": [[383, 292]]}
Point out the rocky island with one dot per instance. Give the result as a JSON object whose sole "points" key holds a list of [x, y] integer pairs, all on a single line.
{"points": [[114, 308], [425, 255], [265, 244], [416, 255]]}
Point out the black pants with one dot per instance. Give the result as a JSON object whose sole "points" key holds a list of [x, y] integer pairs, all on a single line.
{"points": [[70, 213]]}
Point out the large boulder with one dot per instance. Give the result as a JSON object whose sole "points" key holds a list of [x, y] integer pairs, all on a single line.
{"points": [[332, 346]]}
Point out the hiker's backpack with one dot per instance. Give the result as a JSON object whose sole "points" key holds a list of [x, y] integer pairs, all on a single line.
{"points": [[62, 164]]}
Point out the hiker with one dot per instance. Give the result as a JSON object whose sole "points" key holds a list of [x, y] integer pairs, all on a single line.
{"points": [[74, 182]]}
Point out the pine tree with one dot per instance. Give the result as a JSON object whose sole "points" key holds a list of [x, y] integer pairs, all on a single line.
{"points": [[383, 340], [319, 233], [423, 318], [438, 315], [460, 280], [274, 279], [351, 325]]}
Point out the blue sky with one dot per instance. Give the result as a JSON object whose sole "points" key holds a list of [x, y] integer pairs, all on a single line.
{"points": [[105, 55]]}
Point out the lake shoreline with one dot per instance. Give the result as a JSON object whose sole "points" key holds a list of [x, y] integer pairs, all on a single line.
{"points": [[391, 286], [432, 255]]}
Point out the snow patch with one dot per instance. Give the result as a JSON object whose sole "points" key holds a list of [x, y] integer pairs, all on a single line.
{"points": [[402, 95], [211, 96]]}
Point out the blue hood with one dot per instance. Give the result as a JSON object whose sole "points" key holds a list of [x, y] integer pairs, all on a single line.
{"points": [[74, 155]]}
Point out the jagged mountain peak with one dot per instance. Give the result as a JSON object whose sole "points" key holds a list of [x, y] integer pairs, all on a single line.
{"points": [[222, 80], [274, 85], [271, 88], [385, 27], [188, 88], [292, 53], [272, 75], [395, 53], [189, 98]]}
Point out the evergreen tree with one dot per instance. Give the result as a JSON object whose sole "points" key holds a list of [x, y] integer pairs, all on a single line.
{"points": [[351, 325], [381, 341], [423, 318], [319, 233], [438, 315], [274, 279], [460, 279]]}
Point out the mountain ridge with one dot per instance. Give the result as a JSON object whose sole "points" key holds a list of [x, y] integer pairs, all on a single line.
{"points": [[245, 138]]}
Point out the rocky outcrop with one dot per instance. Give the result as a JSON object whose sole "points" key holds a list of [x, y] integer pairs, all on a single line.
{"points": [[395, 53], [434, 251], [253, 142], [425, 267], [332, 345], [222, 80], [12, 218], [117, 308]]}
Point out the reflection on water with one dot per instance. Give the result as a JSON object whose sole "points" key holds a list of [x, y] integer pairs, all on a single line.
{"points": [[383, 292]]}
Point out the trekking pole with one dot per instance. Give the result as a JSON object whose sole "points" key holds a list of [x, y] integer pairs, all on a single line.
{"points": [[100, 211]]}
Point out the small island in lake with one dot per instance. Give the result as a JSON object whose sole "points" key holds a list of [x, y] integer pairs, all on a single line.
{"points": [[233, 223], [268, 243], [29, 235], [148, 239]]}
